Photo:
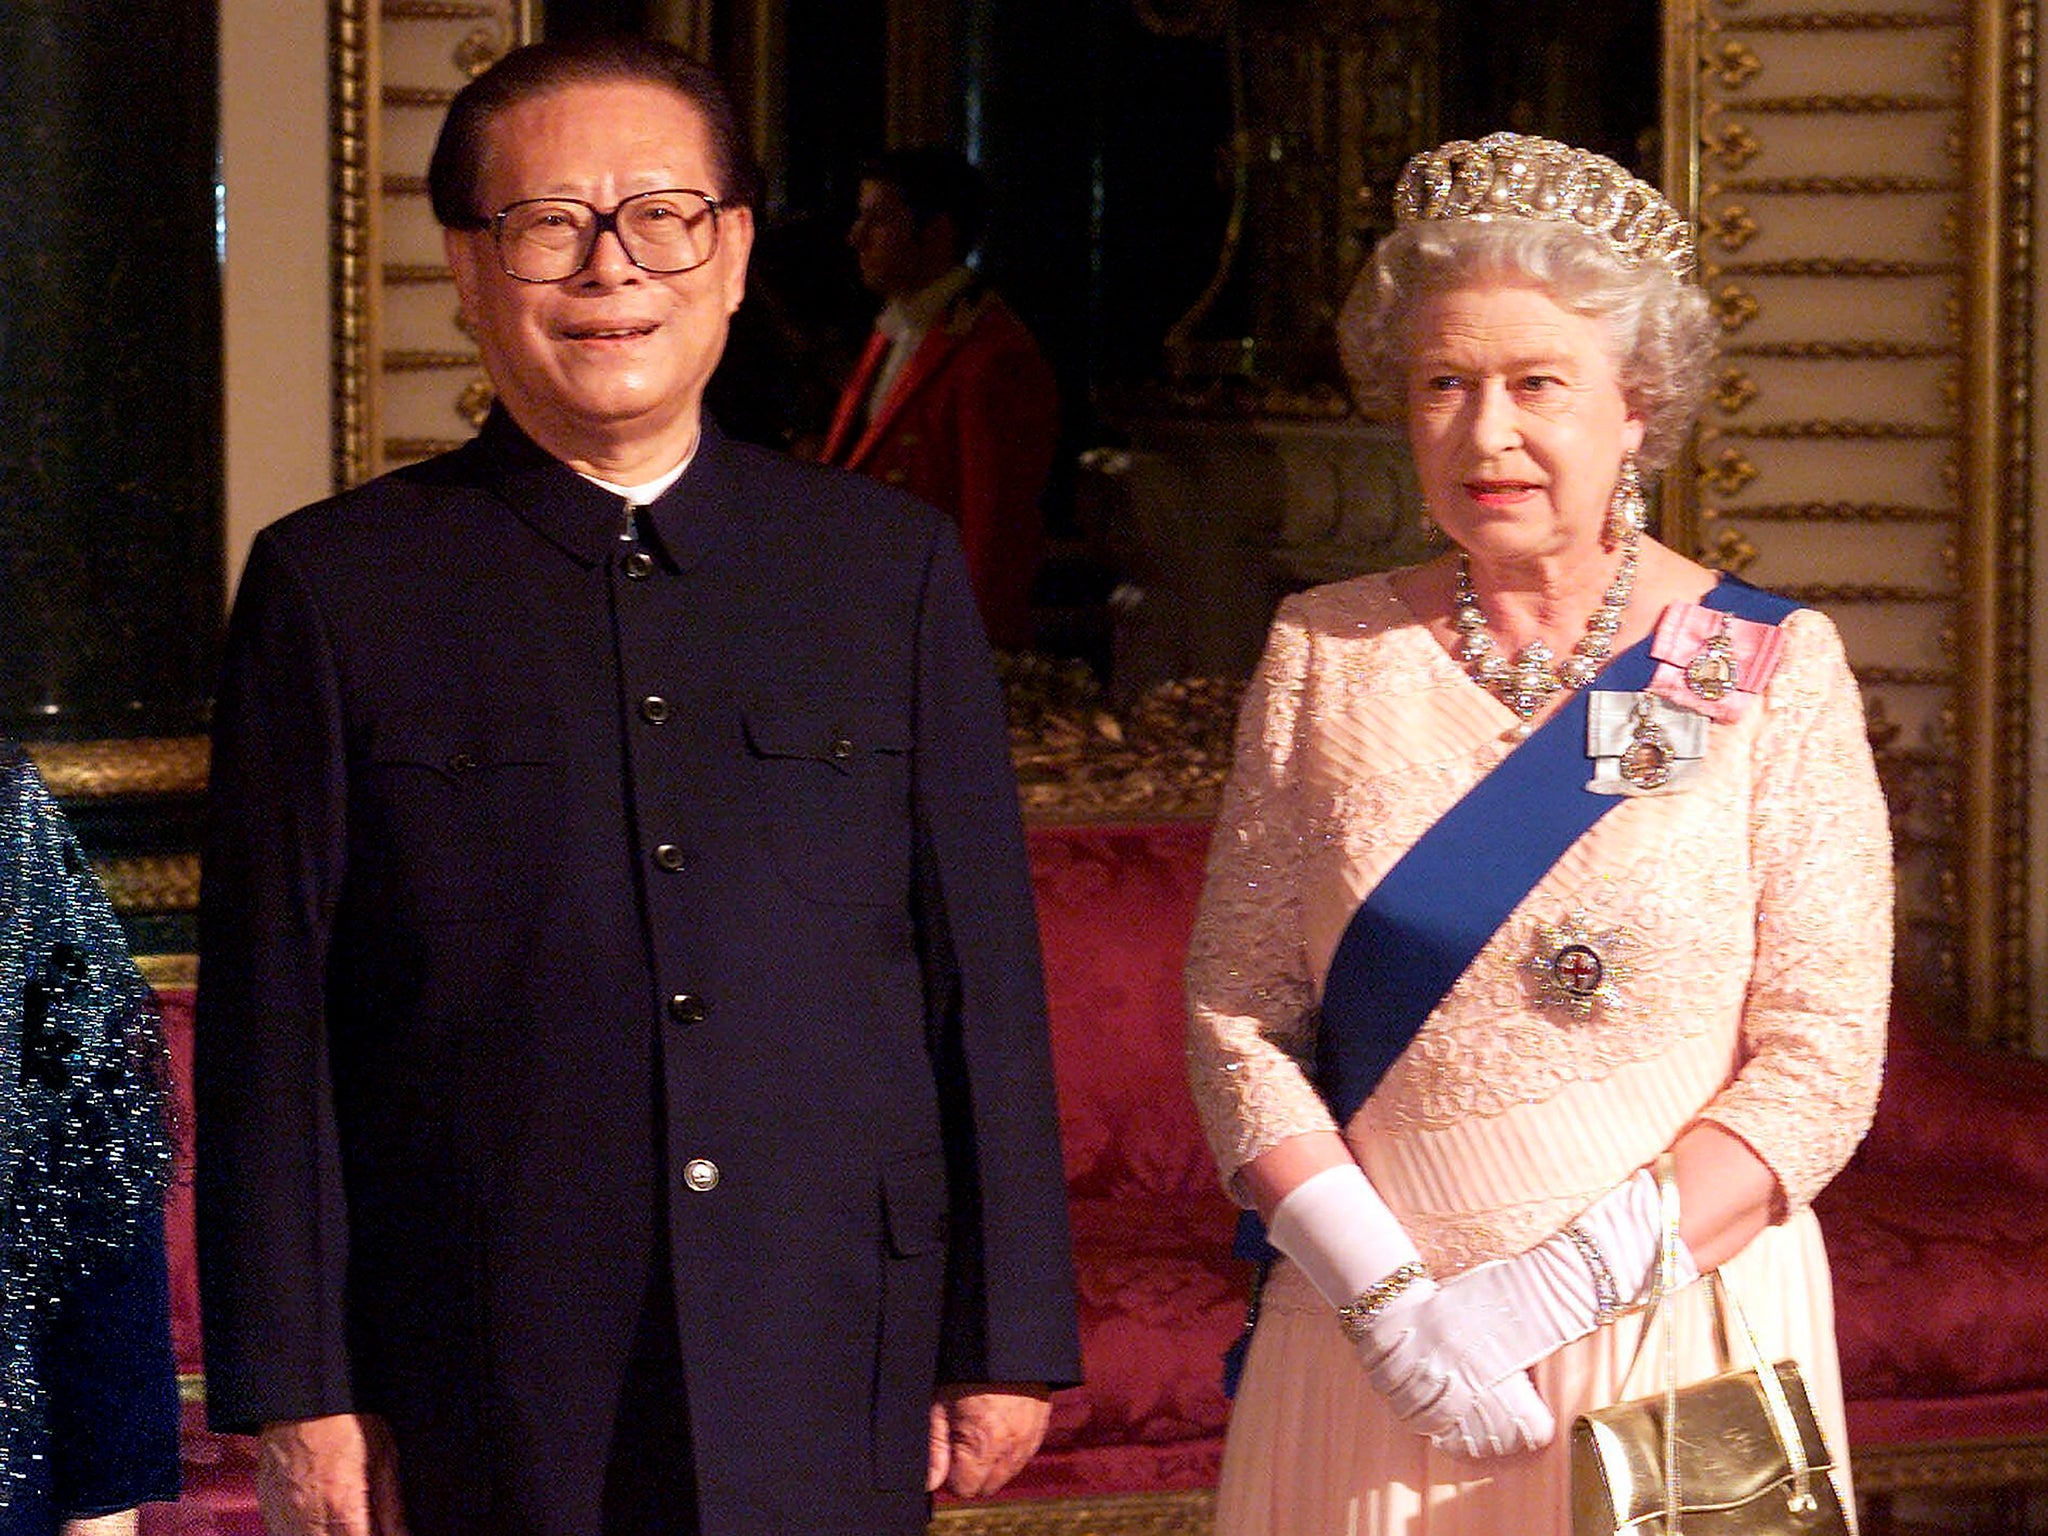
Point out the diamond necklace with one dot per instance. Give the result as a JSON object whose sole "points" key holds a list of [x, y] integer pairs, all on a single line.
{"points": [[1526, 684]]}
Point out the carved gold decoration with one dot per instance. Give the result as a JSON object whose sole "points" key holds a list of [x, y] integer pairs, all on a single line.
{"points": [[1192, 1513], [1845, 512], [151, 882], [1994, 707], [426, 96], [94, 770], [1730, 227], [355, 398], [479, 50], [1790, 431], [1727, 473], [415, 274], [1077, 760], [1829, 106], [1826, 266], [1734, 307], [1734, 64], [474, 403], [1842, 351], [415, 360], [1834, 186], [1732, 552], [1820, 594], [435, 10], [1977, 1465], [164, 972], [366, 37], [1850, 21], [410, 450], [1733, 390], [1183, 18], [1906, 677], [1731, 144]]}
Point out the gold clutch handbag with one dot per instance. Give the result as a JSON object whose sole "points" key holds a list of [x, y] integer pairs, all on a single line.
{"points": [[1740, 1452]]}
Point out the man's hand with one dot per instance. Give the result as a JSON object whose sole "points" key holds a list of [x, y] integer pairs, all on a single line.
{"points": [[336, 1476], [982, 1435]]}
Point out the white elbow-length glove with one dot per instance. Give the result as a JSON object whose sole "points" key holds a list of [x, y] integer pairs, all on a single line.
{"points": [[1499, 1319], [1353, 1250]]}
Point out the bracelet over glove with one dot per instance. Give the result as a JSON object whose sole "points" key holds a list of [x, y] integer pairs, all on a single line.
{"points": [[1335, 1227], [1497, 1320]]}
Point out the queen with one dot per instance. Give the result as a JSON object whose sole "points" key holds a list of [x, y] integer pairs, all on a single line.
{"points": [[1539, 861]]}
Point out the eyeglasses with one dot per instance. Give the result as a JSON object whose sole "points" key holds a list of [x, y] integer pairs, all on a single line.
{"points": [[546, 239]]}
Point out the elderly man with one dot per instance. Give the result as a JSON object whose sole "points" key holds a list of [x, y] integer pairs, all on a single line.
{"points": [[952, 401], [624, 1100]]}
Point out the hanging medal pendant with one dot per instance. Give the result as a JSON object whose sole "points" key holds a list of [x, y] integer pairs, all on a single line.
{"points": [[1646, 762], [1714, 673]]}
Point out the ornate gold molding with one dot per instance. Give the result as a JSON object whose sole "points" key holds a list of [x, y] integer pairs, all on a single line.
{"points": [[1906, 677], [1132, 1514], [1831, 512], [426, 360], [1827, 266], [151, 882], [369, 194], [1164, 756], [1842, 351], [164, 971], [1830, 105], [1957, 1464], [94, 770], [1964, 860], [352, 67], [1827, 594], [1832, 186], [1790, 431], [437, 10], [1845, 21]]}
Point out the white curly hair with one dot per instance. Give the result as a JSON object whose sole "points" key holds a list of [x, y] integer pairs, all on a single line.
{"points": [[1661, 335]]}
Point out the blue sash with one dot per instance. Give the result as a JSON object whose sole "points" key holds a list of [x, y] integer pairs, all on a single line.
{"points": [[1428, 918]]}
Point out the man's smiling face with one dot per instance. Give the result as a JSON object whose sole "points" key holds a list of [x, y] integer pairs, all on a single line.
{"points": [[605, 369]]}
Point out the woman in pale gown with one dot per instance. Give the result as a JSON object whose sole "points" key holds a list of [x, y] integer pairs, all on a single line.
{"points": [[1652, 911]]}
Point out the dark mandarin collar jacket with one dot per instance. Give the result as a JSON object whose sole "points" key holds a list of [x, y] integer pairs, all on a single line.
{"points": [[572, 899]]}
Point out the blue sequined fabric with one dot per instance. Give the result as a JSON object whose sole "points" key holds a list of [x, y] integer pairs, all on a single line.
{"points": [[85, 1136]]}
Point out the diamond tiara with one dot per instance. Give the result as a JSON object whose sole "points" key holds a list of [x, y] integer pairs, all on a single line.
{"points": [[1515, 176]]}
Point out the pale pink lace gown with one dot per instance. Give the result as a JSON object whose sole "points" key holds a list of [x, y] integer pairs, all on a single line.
{"points": [[1760, 900]]}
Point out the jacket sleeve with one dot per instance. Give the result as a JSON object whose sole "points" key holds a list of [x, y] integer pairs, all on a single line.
{"points": [[1009, 1310], [1813, 1026], [273, 1234]]}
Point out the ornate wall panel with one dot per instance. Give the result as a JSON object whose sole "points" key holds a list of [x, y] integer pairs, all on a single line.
{"points": [[408, 382], [1865, 446]]}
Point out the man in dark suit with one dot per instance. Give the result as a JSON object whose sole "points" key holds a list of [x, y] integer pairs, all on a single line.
{"points": [[623, 1093], [952, 400]]}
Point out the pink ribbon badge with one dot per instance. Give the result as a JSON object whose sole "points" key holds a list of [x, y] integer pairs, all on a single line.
{"points": [[1712, 663]]}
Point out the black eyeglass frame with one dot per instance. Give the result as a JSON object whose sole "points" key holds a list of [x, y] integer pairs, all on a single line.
{"points": [[600, 222]]}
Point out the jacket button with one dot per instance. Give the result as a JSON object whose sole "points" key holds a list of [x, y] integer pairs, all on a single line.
{"points": [[687, 1008], [701, 1174], [462, 762], [841, 749], [638, 564], [654, 709], [667, 856]]}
